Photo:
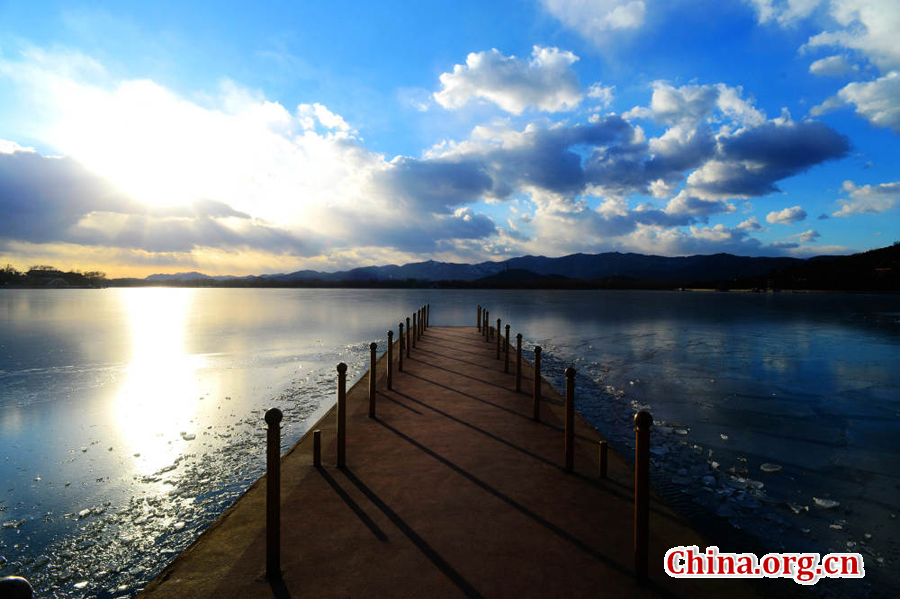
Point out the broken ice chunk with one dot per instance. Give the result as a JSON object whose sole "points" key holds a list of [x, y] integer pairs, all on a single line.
{"points": [[826, 504], [770, 468]]}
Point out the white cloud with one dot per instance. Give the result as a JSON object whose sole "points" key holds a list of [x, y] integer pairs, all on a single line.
{"points": [[546, 82], [832, 66], [788, 216], [594, 19], [784, 12], [878, 101], [11, 147], [603, 95], [751, 224], [692, 104], [867, 26], [308, 114], [868, 199]]}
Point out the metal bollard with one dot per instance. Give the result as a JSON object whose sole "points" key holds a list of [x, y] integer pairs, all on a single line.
{"points": [[273, 493], [498, 338], [506, 359], [408, 331], [15, 587], [342, 415], [317, 448], [479, 318], [373, 347], [604, 458], [390, 361], [537, 383], [518, 362], [400, 360], [570, 418], [642, 422]]}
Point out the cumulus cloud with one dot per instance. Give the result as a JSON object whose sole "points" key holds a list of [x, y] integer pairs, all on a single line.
{"points": [[751, 161], [868, 199], [594, 19], [691, 104], [546, 82], [806, 237], [866, 26], [751, 224], [832, 66], [686, 204], [877, 101], [788, 216]]}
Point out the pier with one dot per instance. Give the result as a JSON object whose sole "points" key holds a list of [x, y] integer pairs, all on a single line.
{"points": [[454, 484]]}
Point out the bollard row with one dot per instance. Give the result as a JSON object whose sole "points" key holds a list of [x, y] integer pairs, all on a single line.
{"points": [[643, 421]]}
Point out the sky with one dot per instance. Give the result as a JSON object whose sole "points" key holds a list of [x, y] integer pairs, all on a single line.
{"points": [[248, 138]]}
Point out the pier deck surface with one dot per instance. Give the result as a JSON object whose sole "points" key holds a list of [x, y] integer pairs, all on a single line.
{"points": [[452, 491]]}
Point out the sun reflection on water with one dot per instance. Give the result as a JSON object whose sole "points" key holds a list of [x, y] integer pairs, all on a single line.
{"points": [[160, 394]]}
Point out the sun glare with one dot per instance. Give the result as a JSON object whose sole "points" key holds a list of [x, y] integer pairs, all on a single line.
{"points": [[159, 398]]}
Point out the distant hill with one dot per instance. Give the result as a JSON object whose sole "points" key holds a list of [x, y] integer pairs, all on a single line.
{"points": [[609, 265], [180, 276], [873, 270], [876, 268]]}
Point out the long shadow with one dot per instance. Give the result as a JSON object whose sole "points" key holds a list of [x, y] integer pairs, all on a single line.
{"points": [[498, 406], [455, 358], [457, 348], [605, 485], [463, 374], [455, 577], [389, 398], [470, 396], [279, 588], [558, 531], [482, 431], [354, 507]]}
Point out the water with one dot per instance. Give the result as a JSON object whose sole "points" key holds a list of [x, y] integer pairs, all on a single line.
{"points": [[131, 418]]}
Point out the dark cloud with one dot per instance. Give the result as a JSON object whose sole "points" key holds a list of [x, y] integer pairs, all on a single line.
{"points": [[751, 162], [414, 231], [435, 185], [41, 198]]}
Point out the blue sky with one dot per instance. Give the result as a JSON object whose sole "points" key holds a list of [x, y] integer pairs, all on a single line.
{"points": [[238, 138]]}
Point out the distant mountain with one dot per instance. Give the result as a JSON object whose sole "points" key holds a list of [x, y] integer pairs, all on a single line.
{"points": [[575, 266], [610, 266], [179, 276], [873, 270]]}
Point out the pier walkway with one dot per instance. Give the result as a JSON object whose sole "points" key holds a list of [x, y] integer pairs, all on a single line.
{"points": [[453, 490]]}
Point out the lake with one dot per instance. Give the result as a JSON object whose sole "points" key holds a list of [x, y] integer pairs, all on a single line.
{"points": [[131, 418]]}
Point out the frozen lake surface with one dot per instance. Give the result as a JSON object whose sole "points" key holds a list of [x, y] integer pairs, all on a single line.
{"points": [[131, 418]]}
